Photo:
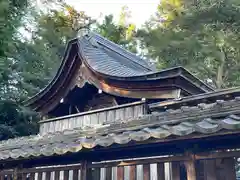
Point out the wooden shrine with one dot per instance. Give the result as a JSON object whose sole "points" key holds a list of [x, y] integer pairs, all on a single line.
{"points": [[109, 115]]}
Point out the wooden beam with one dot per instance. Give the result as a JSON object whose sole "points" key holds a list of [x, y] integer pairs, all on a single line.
{"points": [[217, 155], [140, 161]]}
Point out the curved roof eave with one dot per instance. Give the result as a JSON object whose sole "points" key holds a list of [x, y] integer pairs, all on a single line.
{"points": [[53, 81]]}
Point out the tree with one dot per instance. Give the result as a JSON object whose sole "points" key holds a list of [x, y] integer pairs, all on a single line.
{"points": [[11, 14], [14, 120], [122, 33], [204, 37], [41, 56], [168, 11]]}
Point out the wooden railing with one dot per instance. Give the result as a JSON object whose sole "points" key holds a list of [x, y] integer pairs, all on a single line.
{"points": [[135, 169], [154, 168], [100, 116], [44, 173]]}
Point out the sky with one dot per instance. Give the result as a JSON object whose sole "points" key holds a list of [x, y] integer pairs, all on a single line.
{"points": [[141, 10]]}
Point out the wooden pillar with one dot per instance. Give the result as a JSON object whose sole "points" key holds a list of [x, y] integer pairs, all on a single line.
{"points": [[48, 175], [15, 174], [108, 173], [2, 176], [66, 175], [120, 173], [96, 174], [146, 171], [32, 176], [190, 166], [86, 173], [133, 172], [175, 171], [160, 171], [40, 174], [24, 175], [57, 175], [191, 170]]}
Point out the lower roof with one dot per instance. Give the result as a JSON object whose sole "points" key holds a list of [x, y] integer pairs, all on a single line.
{"points": [[204, 120], [208, 97]]}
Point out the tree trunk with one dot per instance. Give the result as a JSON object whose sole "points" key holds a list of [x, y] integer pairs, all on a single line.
{"points": [[220, 71]]}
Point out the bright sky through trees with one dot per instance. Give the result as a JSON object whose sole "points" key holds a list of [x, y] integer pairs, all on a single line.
{"points": [[141, 10]]}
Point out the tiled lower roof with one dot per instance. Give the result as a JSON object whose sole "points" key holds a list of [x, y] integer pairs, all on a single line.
{"points": [[206, 119]]}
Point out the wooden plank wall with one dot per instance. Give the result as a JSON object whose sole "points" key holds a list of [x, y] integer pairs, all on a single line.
{"points": [[219, 169], [99, 117]]}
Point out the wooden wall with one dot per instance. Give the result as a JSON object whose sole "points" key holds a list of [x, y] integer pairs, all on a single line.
{"points": [[101, 116], [99, 101]]}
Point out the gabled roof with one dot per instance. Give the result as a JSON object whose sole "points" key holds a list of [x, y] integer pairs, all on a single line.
{"points": [[114, 70]]}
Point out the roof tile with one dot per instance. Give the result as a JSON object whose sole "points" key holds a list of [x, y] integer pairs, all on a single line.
{"points": [[205, 121]]}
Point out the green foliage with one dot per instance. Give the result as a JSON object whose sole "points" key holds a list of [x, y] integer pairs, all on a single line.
{"points": [[11, 13], [204, 38], [168, 11], [120, 34], [14, 120]]}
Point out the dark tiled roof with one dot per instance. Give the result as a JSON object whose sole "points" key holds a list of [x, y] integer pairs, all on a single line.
{"points": [[204, 119], [198, 98], [109, 58]]}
